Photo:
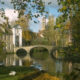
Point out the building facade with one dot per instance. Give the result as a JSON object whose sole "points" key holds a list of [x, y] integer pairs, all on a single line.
{"points": [[17, 36], [6, 38], [11, 37]]}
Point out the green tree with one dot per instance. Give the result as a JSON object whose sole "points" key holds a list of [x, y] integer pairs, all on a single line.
{"points": [[2, 44], [23, 21], [76, 32], [63, 29], [29, 5], [71, 11]]}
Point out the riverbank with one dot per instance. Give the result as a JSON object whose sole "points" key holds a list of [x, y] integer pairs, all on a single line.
{"points": [[24, 73]]}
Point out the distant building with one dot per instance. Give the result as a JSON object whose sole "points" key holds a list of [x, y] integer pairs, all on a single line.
{"points": [[43, 24], [43, 27]]}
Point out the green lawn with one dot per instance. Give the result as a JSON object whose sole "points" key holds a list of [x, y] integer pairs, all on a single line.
{"points": [[7, 77], [4, 72]]}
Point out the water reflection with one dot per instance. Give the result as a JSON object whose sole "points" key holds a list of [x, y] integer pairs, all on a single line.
{"points": [[49, 64], [9, 60], [58, 66]]}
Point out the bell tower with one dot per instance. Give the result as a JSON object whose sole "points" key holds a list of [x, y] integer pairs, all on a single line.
{"points": [[43, 24]]}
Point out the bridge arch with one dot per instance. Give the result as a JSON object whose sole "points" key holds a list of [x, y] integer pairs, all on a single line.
{"points": [[49, 48], [21, 53], [39, 47], [40, 51]]}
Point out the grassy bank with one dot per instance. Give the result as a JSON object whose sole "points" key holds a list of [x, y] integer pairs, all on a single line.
{"points": [[4, 72], [24, 73]]}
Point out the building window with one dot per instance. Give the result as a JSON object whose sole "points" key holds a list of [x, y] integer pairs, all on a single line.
{"points": [[17, 41]]}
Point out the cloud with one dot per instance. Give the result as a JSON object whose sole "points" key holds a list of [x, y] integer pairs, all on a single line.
{"points": [[9, 10], [11, 14]]}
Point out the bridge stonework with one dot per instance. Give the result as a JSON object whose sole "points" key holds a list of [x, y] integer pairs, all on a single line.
{"points": [[28, 48]]}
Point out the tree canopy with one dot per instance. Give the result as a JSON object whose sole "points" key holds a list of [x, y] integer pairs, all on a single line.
{"points": [[71, 11], [30, 7], [69, 8]]}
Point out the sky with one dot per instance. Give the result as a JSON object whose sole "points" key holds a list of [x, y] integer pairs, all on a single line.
{"points": [[52, 9]]}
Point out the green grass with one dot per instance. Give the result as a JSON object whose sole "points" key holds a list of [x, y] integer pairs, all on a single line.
{"points": [[6, 77], [4, 72]]}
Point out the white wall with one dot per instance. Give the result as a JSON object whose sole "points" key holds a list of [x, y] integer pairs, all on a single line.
{"points": [[17, 31]]}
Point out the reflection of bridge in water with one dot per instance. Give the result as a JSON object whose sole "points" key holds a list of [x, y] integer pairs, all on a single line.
{"points": [[29, 48], [10, 60]]}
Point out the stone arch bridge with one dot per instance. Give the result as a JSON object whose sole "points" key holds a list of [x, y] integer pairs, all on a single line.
{"points": [[28, 48], [27, 56]]}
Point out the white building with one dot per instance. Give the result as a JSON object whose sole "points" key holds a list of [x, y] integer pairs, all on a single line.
{"points": [[17, 36], [11, 36]]}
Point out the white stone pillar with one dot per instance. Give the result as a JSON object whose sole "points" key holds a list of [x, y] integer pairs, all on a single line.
{"points": [[14, 33], [20, 62], [20, 37], [14, 61]]}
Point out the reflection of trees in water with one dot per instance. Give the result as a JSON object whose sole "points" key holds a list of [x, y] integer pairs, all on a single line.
{"points": [[53, 66], [74, 75], [58, 65], [2, 56], [39, 53], [47, 64], [58, 53]]}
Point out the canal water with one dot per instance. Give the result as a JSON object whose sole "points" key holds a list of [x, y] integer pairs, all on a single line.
{"points": [[52, 66]]}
